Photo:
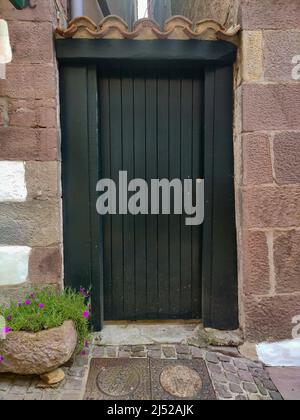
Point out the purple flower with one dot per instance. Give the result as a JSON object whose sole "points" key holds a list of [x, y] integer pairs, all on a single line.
{"points": [[86, 314], [9, 318], [41, 306], [1, 359], [5, 330], [84, 292], [32, 296], [27, 302]]}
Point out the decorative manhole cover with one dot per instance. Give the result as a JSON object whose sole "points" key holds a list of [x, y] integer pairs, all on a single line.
{"points": [[118, 381], [181, 381]]}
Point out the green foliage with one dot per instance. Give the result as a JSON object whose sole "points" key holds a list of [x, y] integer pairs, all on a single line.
{"points": [[46, 309]]}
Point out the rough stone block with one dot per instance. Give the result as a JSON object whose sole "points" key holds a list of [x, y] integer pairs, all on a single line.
{"points": [[31, 42], [28, 144], [43, 180], [257, 160], [270, 318], [270, 14], [256, 264], [271, 107], [252, 53], [30, 81], [287, 261], [45, 265], [43, 12], [272, 207], [40, 113], [287, 157], [32, 223], [279, 49]]}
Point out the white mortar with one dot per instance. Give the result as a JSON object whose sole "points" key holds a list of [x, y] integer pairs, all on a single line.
{"points": [[12, 182], [14, 262]]}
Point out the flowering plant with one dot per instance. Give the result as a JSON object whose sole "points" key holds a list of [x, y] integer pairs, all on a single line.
{"points": [[46, 309]]}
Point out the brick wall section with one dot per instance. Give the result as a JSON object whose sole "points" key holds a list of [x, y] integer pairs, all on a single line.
{"points": [[267, 148], [29, 133]]}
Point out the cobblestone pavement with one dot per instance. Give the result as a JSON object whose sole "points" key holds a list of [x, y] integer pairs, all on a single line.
{"points": [[233, 377]]}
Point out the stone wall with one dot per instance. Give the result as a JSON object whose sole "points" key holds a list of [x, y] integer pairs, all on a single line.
{"points": [[30, 193], [268, 168]]}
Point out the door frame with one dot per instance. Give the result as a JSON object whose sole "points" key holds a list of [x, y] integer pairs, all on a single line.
{"points": [[83, 232]]}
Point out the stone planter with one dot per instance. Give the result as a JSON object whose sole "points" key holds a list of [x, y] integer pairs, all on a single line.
{"points": [[35, 354]]}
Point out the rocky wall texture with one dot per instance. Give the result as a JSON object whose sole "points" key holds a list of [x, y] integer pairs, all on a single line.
{"points": [[30, 191]]}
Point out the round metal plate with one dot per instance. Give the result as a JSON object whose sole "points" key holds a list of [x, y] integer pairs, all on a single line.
{"points": [[118, 381], [181, 381]]}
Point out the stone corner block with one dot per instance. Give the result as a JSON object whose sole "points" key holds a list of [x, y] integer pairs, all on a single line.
{"points": [[12, 181], [252, 53], [14, 263]]}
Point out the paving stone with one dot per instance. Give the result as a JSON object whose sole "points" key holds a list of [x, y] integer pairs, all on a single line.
{"points": [[251, 388], [124, 354], [224, 358], [268, 384], [154, 354], [226, 351], [236, 389], [212, 358], [233, 378], [14, 397], [77, 372], [125, 348], [70, 396], [140, 355], [198, 353], [276, 396], [137, 349], [73, 384], [98, 352], [223, 392], [183, 349], [212, 367], [33, 397], [229, 367], [241, 398], [5, 385], [261, 388], [112, 352], [245, 376], [240, 364], [169, 352], [219, 378], [184, 357]]}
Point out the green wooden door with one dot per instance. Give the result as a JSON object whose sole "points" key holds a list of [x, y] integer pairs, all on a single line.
{"points": [[151, 127], [122, 110]]}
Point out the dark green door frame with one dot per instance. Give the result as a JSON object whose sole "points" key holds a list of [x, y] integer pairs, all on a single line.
{"points": [[83, 236]]}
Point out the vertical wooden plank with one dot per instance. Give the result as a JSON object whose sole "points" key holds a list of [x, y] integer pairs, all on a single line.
{"points": [[163, 172], [220, 308], [140, 165], [128, 165], [152, 220], [117, 257], [207, 254], [75, 177], [186, 173], [175, 220], [198, 172], [96, 231], [106, 173], [224, 268]]}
